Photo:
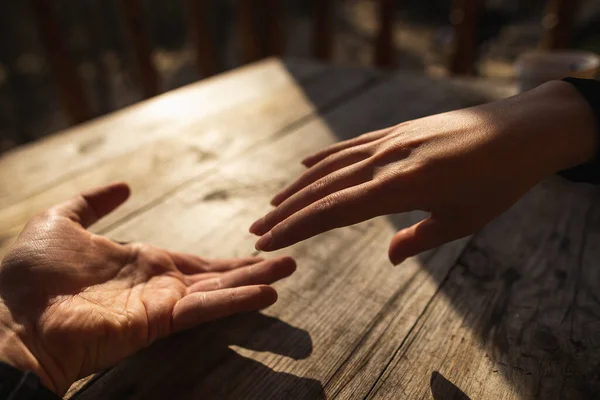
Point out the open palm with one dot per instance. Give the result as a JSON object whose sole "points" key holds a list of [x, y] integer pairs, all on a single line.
{"points": [[80, 302]]}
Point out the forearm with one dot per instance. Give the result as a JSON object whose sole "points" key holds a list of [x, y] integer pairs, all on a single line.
{"points": [[553, 123]]}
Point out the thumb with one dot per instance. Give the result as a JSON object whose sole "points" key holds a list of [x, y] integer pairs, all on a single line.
{"points": [[90, 206], [424, 235]]}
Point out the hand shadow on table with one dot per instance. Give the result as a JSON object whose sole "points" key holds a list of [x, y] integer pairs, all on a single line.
{"points": [[527, 286], [199, 364], [443, 389]]}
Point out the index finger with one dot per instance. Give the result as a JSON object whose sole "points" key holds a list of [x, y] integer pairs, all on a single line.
{"points": [[196, 308], [346, 144], [343, 208]]}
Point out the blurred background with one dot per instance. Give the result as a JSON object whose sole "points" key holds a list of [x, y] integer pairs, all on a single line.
{"points": [[113, 53]]}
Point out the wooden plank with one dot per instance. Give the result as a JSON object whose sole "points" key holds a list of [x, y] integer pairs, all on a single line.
{"points": [[54, 159], [71, 90], [13, 101], [206, 60], [157, 167], [465, 20], [274, 27], [322, 34], [133, 16], [384, 44], [247, 29], [95, 28], [558, 23], [343, 289], [518, 316]]}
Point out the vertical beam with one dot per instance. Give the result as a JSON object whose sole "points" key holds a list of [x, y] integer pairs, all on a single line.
{"points": [[248, 30], [93, 16], [71, 91], [558, 23], [465, 19], [203, 40], [274, 23], [134, 24], [384, 45], [322, 38]]}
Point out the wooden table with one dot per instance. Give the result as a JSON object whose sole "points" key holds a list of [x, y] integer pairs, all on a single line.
{"points": [[512, 312]]}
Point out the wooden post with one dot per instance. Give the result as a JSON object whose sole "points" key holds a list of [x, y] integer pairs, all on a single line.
{"points": [[464, 17], [274, 23], [322, 29], [70, 87], [384, 45], [134, 23], [203, 40], [248, 31], [558, 24], [96, 31]]}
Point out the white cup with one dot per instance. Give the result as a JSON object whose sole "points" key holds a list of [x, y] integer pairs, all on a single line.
{"points": [[535, 68]]}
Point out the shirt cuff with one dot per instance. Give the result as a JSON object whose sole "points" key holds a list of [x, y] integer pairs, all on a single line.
{"points": [[590, 171]]}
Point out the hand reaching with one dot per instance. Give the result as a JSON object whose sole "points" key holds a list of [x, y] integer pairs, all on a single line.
{"points": [[463, 167], [73, 302]]}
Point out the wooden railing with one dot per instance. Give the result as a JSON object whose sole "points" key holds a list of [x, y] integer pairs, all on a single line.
{"points": [[267, 15]]}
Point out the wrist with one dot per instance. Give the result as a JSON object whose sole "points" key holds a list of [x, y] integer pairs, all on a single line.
{"points": [[542, 131], [15, 353], [562, 126]]}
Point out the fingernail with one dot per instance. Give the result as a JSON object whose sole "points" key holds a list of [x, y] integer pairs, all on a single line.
{"points": [[398, 262], [275, 200], [264, 242], [256, 226]]}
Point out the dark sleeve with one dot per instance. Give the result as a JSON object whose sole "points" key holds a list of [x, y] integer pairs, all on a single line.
{"points": [[590, 171], [16, 384]]}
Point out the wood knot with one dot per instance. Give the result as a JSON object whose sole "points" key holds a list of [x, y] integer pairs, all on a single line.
{"points": [[510, 276], [479, 265], [90, 145], [544, 338]]}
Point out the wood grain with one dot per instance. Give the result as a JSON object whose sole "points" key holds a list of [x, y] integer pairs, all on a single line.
{"points": [[340, 302], [517, 316], [508, 314], [46, 163], [155, 168]]}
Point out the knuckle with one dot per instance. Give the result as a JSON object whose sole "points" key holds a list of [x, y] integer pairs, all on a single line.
{"points": [[328, 210], [45, 215], [152, 258], [319, 186], [327, 204], [330, 158]]}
